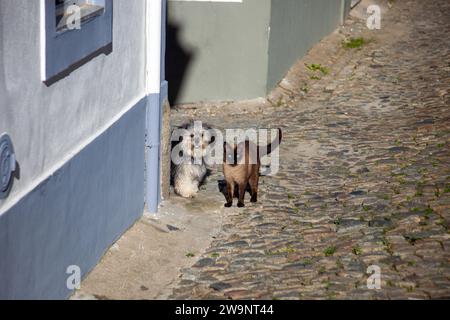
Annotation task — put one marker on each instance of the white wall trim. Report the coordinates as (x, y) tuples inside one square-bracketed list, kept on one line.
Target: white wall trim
[(43, 40), (153, 20)]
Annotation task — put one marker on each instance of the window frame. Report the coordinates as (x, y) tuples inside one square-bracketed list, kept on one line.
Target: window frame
[(64, 51), (90, 8)]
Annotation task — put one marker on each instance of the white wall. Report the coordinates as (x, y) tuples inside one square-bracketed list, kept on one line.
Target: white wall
[(48, 125)]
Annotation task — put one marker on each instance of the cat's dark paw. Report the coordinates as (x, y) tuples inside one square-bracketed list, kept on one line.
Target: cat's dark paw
[(241, 205), (228, 204), (254, 199)]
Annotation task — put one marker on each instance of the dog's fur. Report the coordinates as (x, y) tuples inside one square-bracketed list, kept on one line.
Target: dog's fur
[(187, 176), (241, 166)]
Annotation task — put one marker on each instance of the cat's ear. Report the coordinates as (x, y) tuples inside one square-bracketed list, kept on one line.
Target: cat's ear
[(225, 152), (280, 135)]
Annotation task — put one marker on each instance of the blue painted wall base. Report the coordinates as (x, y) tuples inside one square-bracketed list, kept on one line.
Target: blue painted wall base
[(74, 216)]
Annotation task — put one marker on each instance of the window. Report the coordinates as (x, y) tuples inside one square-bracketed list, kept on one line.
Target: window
[(72, 33), (83, 10)]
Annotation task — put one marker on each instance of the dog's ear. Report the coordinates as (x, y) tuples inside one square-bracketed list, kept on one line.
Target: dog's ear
[(187, 125), (217, 135), (206, 126)]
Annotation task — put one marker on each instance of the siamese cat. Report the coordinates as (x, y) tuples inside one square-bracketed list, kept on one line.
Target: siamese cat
[(241, 164)]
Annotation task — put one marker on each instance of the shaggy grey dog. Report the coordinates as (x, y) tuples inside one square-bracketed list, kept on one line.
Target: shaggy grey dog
[(188, 157)]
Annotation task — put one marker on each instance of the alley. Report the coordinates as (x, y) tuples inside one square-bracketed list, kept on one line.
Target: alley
[(364, 178)]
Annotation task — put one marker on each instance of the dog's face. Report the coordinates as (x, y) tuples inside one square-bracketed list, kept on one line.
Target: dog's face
[(195, 139)]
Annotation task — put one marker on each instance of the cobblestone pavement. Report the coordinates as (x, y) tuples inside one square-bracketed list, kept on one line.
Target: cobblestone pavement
[(364, 178)]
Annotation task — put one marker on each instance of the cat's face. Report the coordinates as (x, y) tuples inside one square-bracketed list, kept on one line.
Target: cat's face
[(233, 154)]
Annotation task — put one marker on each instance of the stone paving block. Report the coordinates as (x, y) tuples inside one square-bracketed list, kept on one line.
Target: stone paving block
[(364, 177)]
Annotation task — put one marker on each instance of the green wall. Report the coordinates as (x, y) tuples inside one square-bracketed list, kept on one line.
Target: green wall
[(218, 51), (295, 27)]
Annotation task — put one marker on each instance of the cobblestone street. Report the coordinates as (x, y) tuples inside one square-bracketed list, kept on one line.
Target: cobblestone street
[(364, 177)]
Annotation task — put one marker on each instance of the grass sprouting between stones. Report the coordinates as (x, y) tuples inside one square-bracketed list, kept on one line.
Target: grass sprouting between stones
[(317, 67), (355, 43), (329, 251), (357, 251)]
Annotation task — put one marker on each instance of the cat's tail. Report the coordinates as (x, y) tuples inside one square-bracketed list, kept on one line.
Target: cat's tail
[(264, 151)]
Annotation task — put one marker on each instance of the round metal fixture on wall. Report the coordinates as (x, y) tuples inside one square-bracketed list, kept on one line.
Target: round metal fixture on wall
[(7, 165)]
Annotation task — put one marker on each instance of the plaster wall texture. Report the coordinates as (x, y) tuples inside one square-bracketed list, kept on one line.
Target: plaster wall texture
[(49, 125), (294, 28), (220, 51), (224, 49), (80, 147), (73, 217)]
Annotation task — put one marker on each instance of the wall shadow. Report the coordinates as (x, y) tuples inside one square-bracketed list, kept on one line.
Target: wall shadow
[(177, 62)]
